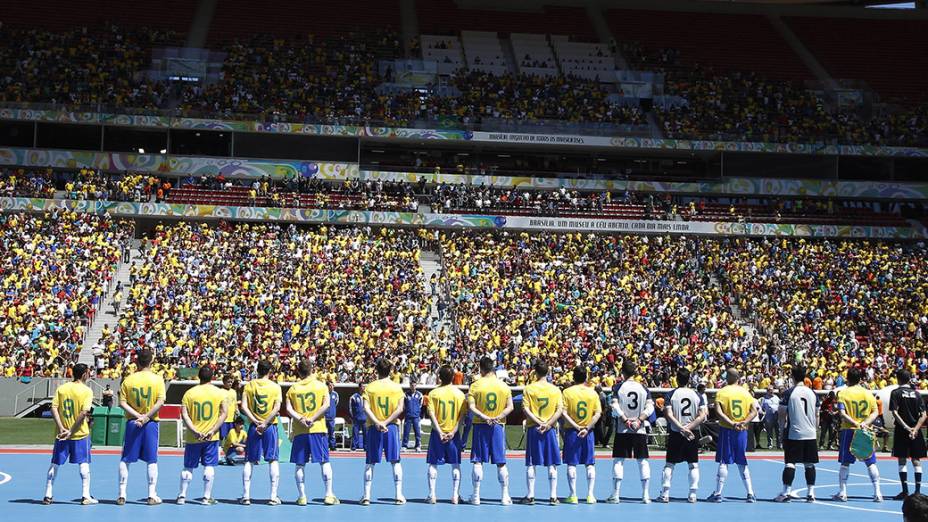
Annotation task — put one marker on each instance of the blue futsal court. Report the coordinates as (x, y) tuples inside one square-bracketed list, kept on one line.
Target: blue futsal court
[(22, 482)]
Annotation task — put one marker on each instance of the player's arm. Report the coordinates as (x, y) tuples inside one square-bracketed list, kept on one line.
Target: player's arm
[(752, 412), (873, 411), (722, 415), (223, 411), (842, 414), (320, 412), (156, 407), (668, 413), (189, 423), (782, 415), (700, 418), (370, 413), (294, 415), (62, 431), (124, 404), (559, 410), (472, 405), (435, 425), (648, 408), (351, 408), (571, 422), (82, 416), (893, 408), (400, 407), (527, 409), (506, 411)]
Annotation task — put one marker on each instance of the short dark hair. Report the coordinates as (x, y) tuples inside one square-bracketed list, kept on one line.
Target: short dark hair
[(144, 358), (915, 508), (238, 420), (205, 374), (579, 375), (445, 374), (540, 368), (853, 376), (228, 378), (486, 365), (264, 368), (798, 373), (384, 367), (629, 369), (303, 369), (683, 377), (903, 376), (78, 371)]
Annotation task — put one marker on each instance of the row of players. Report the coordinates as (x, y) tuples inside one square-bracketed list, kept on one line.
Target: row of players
[(205, 410)]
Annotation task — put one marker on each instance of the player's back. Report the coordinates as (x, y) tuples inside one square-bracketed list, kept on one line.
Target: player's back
[(203, 403), (384, 396), (446, 403), (801, 413), (581, 403), (858, 403), (490, 396), (685, 404), (261, 394), (70, 399), (142, 390), (307, 398), (736, 402), (542, 399), (632, 398)]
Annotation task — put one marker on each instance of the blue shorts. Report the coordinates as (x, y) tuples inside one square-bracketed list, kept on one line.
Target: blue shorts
[(541, 449), (488, 444), (73, 451), (205, 453), (310, 447), (224, 429), (732, 447), (444, 452), (265, 445), (844, 450), (141, 443), (579, 450), (382, 444)]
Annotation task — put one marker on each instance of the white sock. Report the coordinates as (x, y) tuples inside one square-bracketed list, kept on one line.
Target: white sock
[(720, 478), (300, 477), (123, 478), (666, 477), (246, 480), (274, 472), (552, 481), (618, 471), (477, 475), (186, 475), (398, 479), (152, 479), (368, 478), (85, 479), (50, 479), (530, 480), (327, 478), (590, 480), (746, 478), (843, 473), (433, 478), (209, 472), (875, 479), (644, 468), (694, 478), (572, 480), (455, 481), (502, 474)]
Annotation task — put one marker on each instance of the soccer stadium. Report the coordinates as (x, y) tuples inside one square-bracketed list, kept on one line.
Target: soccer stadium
[(471, 258)]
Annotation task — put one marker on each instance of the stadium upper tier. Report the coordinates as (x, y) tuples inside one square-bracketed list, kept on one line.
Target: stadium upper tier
[(493, 70)]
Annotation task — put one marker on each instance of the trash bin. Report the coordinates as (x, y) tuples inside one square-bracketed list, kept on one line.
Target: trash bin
[(98, 428), (115, 426)]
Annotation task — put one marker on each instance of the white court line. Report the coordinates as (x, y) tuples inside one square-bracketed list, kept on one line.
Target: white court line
[(4, 478), (842, 505), (819, 467)]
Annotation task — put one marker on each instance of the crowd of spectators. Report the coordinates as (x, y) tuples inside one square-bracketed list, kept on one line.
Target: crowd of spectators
[(27, 182), (81, 184), (55, 270)]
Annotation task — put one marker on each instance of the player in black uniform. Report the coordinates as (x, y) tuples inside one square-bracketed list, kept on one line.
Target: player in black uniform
[(908, 410)]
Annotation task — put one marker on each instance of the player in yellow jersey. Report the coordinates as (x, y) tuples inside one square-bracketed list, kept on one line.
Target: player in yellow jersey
[(735, 407), (141, 396), (446, 410), (490, 400), (203, 410), (383, 404), (582, 410), (542, 405), (857, 409), (70, 408), (233, 444), (261, 401), (307, 404), (229, 387)]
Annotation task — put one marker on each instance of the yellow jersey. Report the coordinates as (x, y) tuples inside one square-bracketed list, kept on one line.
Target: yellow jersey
[(736, 402), (141, 391), (542, 399), (447, 404), (490, 396), (70, 400), (581, 404), (306, 398), (203, 404), (260, 395), (231, 404), (857, 402), (383, 397), (234, 437)]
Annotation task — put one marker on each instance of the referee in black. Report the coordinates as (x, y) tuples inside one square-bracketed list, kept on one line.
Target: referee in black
[(908, 410)]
